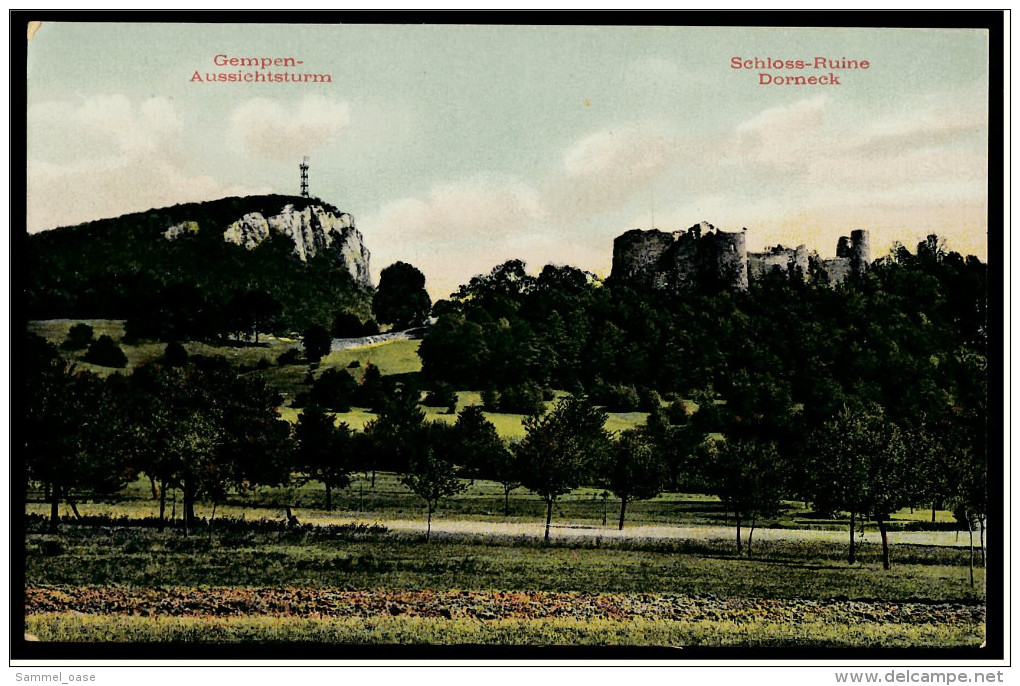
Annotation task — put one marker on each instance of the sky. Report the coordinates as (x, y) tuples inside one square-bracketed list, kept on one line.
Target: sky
[(456, 148)]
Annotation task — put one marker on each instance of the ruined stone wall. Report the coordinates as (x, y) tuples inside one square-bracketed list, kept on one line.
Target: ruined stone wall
[(704, 255), (637, 255), (786, 259), (672, 261)]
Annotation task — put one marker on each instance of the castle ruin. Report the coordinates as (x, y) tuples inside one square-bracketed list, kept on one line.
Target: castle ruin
[(704, 255)]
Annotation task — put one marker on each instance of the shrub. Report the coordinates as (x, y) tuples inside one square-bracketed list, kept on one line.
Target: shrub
[(79, 337), (347, 325), (442, 395), (615, 397), (524, 398), (334, 390), (105, 353), (490, 400), (648, 399), (175, 355), (289, 356)]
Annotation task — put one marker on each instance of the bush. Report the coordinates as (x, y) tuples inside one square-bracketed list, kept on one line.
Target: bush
[(79, 337), (334, 390), (347, 325), (175, 355), (442, 395), (105, 353), (524, 398), (289, 356), (490, 400), (648, 399), (615, 397)]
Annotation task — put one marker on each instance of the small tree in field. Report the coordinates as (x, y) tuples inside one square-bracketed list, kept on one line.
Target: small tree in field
[(560, 448), (478, 447), (748, 477), (633, 471), (76, 434), (79, 337), (317, 342), (324, 450), (862, 468), (430, 474), (106, 353)]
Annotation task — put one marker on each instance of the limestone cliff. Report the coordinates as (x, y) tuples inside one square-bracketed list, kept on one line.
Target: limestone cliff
[(314, 229)]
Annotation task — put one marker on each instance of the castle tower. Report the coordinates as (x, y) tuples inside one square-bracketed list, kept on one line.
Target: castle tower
[(726, 258), (860, 251)]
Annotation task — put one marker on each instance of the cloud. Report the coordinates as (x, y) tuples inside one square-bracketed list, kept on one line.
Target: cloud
[(606, 168), (781, 136), (457, 229), (278, 131), (107, 156)]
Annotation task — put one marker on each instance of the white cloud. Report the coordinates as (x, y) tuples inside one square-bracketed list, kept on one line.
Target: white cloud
[(457, 230), (107, 156), (275, 130), (781, 136), (605, 169)]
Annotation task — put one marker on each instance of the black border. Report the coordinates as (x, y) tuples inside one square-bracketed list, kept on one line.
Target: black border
[(80, 654)]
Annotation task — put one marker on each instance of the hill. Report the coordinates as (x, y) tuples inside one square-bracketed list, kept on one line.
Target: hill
[(192, 264)]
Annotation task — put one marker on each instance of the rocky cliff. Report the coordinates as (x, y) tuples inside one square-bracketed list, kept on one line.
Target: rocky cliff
[(314, 229)]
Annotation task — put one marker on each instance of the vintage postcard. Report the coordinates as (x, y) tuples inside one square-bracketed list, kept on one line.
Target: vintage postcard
[(353, 340)]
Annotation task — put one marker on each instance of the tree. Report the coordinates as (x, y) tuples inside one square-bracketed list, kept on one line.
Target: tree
[(254, 312), (317, 342), (559, 449), (401, 298), (748, 476), (208, 430), (324, 450), (430, 474), (374, 389), (862, 467), (79, 337), (106, 353), (175, 354), (398, 431), (349, 325), (479, 449), (634, 470), (334, 390), (75, 434)]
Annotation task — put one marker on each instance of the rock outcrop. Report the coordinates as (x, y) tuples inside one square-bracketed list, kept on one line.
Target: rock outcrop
[(314, 229)]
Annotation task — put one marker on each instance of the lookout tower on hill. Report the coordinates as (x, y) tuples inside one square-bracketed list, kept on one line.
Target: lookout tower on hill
[(304, 177)]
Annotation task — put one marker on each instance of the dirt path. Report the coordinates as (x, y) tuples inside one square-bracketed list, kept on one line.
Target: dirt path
[(586, 532), (349, 343)]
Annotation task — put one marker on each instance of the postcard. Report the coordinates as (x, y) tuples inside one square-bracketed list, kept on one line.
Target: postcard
[(349, 339)]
